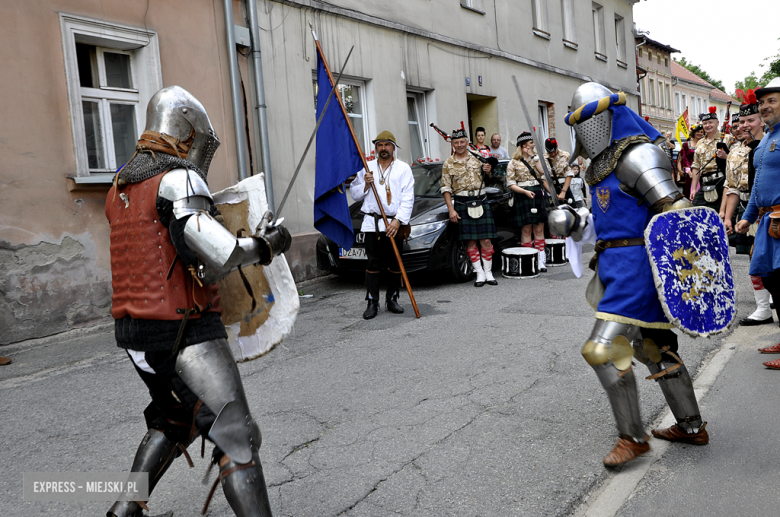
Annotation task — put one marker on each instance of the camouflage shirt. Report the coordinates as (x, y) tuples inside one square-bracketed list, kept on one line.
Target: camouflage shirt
[(560, 165), (458, 177), (517, 172), (705, 150), (737, 169)]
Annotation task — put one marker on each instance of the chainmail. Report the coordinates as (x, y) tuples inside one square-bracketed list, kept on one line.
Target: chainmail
[(603, 164), (146, 164)]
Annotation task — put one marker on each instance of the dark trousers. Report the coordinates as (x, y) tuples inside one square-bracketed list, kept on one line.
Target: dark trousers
[(772, 284), (380, 256)]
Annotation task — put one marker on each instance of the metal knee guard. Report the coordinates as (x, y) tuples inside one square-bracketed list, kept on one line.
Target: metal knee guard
[(609, 352), (675, 384), (154, 455), (210, 371), (244, 487)]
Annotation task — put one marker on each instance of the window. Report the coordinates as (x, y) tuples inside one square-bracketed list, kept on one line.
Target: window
[(569, 25), (642, 90), (677, 108), (661, 94), (640, 52), (668, 96), (415, 105), (666, 62), (352, 93), (684, 104), (539, 14), (651, 92), (543, 121), (598, 31), (658, 58), (112, 71), (475, 5), (620, 38)]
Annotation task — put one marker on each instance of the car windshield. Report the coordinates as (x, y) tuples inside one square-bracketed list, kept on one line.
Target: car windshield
[(427, 180)]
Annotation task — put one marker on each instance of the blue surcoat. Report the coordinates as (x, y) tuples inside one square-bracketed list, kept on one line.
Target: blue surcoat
[(630, 294)]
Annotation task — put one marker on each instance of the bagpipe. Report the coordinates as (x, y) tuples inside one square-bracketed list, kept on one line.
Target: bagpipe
[(472, 149), (725, 128)]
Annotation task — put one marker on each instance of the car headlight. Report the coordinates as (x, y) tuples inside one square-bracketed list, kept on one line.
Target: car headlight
[(419, 230)]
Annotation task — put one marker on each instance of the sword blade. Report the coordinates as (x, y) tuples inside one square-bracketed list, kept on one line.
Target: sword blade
[(311, 139), (538, 143)]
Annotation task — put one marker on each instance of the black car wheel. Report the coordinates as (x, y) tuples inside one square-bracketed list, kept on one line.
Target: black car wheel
[(460, 265)]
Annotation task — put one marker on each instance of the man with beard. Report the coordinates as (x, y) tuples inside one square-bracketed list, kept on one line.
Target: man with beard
[(765, 201), (739, 182), (709, 167), (395, 185)]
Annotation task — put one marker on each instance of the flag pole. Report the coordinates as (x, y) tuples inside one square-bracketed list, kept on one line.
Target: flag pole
[(365, 165)]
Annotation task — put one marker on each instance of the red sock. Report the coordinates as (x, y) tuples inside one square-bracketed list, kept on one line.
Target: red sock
[(539, 244), (487, 253), (758, 284), (529, 244), (473, 254)]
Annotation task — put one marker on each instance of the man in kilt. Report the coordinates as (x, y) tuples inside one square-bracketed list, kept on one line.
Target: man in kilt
[(709, 163), (463, 187), (524, 177)]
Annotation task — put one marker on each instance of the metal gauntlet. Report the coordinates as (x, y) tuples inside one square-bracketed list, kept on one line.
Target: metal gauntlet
[(568, 221)]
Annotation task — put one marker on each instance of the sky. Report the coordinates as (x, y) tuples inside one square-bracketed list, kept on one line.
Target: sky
[(713, 33)]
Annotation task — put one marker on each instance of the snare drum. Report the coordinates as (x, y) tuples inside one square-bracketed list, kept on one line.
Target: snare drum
[(555, 249), (519, 263)]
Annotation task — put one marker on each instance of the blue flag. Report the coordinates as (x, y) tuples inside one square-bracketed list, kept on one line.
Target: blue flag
[(337, 159)]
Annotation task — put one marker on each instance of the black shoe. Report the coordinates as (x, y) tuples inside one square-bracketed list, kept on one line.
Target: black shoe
[(543, 270), (747, 322), (371, 310), (479, 284), (392, 306)]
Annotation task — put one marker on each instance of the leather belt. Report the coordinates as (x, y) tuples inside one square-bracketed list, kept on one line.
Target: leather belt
[(470, 193), (712, 178), (602, 246), (531, 183), (775, 209)]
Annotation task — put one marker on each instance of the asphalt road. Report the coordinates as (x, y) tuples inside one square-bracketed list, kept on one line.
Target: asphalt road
[(483, 406)]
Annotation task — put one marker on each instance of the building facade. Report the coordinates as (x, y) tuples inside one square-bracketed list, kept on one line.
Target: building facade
[(656, 85), (697, 95), (75, 105)]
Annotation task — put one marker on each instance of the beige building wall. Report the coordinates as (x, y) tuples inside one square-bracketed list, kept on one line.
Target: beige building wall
[(657, 87)]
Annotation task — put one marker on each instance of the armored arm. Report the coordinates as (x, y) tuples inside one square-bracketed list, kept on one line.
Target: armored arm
[(644, 169), (217, 250)]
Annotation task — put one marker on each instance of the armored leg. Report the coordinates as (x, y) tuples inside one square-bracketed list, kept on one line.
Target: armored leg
[(209, 370), (154, 455), (672, 376), (609, 352)]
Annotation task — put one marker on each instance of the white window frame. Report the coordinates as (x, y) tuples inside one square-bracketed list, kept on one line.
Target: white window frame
[(569, 24), (422, 122), (677, 108), (539, 17), (620, 38), (474, 5), (598, 31), (651, 92), (544, 120), (668, 96), (143, 48), (364, 104)]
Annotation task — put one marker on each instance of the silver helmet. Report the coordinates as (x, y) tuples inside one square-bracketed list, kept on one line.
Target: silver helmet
[(176, 112), (593, 135)]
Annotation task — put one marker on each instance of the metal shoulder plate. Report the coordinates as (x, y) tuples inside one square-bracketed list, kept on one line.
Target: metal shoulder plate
[(646, 169), (188, 191)]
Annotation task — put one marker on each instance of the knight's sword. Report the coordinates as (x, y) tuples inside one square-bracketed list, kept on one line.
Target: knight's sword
[(311, 138), (538, 143)]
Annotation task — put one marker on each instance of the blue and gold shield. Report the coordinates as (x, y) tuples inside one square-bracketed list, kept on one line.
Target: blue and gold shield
[(689, 254)]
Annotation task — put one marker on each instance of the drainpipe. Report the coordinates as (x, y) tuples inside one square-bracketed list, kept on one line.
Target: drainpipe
[(260, 114), (638, 79), (235, 94)]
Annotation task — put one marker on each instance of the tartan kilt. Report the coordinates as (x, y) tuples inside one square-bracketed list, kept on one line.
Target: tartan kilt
[(521, 214), (475, 229), (698, 199)]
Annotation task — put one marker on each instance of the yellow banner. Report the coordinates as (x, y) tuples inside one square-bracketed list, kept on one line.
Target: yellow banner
[(682, 127)]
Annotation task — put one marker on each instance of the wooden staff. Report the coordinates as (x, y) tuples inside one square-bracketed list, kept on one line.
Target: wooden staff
[(365, 165)]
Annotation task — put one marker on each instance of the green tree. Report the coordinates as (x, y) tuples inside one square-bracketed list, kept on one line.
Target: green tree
[(750, 82), (696, 69)]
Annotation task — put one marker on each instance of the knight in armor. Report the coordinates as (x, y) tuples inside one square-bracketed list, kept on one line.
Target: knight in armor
[(764, 204), (630, 181), (168, 248), (709, 163), (739, 182)]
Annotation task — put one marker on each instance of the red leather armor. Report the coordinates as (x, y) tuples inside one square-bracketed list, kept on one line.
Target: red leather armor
[(141, 256)]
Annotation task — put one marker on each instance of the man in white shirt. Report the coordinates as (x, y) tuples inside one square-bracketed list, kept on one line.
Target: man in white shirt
[(395, 185), (496, 150)]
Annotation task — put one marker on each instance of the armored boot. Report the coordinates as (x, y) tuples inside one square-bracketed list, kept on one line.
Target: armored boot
[(372, 295), (244, 488), (672, 376), (609, 353), (154, 455), (393, 288)]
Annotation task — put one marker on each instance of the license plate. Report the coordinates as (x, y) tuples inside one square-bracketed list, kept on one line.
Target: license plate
[(354, 253)]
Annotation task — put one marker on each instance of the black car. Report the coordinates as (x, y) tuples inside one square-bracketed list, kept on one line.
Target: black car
[(433, 245)]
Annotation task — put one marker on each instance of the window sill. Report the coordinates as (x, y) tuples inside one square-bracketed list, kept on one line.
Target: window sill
[(541, 33), (621, 64), (600, 56), (473, 10), (570, 44), (97, 181)]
